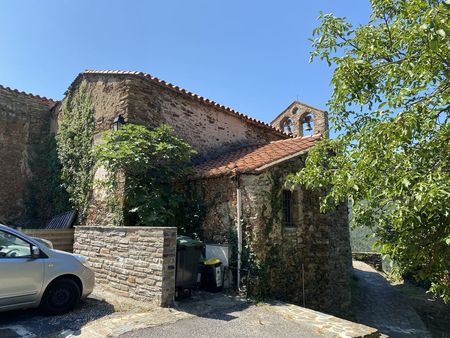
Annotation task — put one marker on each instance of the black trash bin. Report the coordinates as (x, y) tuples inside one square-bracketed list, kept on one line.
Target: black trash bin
[(189, 252), (212, 275)]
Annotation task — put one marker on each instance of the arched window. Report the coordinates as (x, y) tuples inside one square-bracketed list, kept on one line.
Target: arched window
[(287, 125), (295, 111), (307, 124)]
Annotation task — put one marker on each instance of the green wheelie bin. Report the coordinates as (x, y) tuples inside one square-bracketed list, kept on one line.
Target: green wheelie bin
[(189, 253)]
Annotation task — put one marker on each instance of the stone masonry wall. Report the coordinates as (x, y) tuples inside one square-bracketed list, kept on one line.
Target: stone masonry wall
[(108, 99), (135, 262), (219, 198), (295, 112), (321, 242), (374, 259), (24, 121), (207, 129), (108, 96)]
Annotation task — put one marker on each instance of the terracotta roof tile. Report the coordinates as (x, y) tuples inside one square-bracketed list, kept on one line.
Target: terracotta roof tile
[(189, 94), (43, 99), (251, 158)]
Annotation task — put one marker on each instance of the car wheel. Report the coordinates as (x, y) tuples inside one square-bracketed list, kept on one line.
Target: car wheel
[(60, 296)]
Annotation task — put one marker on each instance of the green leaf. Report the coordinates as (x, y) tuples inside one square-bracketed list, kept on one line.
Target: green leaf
[(392, 164), (406, 182)]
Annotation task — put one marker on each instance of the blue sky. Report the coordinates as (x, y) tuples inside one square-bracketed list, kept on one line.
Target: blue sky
[(249, 55)]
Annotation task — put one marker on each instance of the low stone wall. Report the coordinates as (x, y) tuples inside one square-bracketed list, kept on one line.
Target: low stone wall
[(327, 325), (374, 259), (135, 262)]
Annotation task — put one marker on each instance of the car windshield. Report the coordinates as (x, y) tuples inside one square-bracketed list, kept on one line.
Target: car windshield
[(12, 246), (47, 243)]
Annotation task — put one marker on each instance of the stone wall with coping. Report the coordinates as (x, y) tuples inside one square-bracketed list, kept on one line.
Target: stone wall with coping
[(135, 262), (374, 259)]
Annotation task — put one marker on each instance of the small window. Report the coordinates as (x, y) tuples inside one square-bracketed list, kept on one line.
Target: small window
[(288, 219), (12, 246)]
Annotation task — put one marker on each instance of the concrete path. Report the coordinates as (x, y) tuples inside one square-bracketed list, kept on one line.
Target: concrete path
[(378, 304), (203, 315), (249, 322), (219, 315)]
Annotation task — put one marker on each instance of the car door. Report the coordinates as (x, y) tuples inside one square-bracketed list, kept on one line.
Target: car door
[(21, 275)]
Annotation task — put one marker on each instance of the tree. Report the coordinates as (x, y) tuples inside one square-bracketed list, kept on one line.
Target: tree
[(153, 162), (390, 108)]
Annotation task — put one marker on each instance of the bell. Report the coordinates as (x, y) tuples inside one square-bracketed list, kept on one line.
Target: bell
[(308, 126), (307, 120)]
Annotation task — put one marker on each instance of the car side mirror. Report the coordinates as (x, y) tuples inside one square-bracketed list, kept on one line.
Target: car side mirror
[(35, 252)]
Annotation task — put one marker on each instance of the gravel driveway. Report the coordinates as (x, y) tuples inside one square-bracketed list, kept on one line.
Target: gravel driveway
[(30, 323)]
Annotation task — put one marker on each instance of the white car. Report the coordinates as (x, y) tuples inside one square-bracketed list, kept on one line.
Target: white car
[(34, 275)]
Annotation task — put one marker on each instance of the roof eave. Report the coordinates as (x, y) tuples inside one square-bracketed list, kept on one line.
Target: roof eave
[(187, 94), (254, 170), (281, 160), (44, 100)]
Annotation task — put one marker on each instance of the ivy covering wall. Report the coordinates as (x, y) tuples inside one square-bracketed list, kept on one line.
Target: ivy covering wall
[(260, 253), (45, 195), (155, 165), (74, 145)]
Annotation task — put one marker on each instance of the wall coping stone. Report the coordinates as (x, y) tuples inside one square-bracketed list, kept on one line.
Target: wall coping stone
[(374, 259), (98, 227)]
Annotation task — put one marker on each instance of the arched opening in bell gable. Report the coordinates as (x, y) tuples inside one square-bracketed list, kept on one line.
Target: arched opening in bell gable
[(307, 124), (287, 125)]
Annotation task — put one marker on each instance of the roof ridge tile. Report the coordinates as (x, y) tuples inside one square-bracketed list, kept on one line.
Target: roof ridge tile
[(185, 92), (42, 98)]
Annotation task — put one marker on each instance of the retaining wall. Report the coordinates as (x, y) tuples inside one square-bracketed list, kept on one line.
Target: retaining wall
[(374, 259), (135, 262)]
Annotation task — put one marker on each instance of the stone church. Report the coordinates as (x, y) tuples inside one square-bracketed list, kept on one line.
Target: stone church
[(240, 171)]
